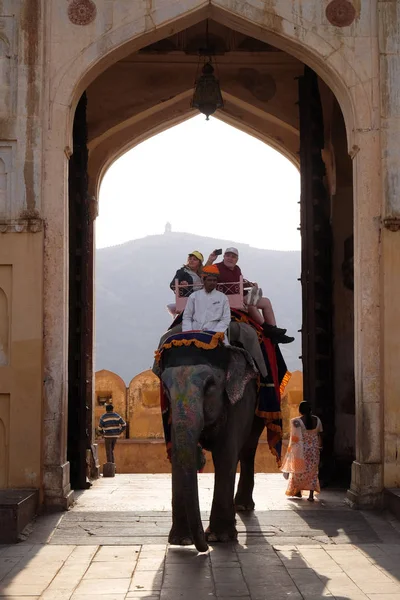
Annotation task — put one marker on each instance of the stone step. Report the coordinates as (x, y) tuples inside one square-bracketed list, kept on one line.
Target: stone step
[(17, 509), (392, 501)]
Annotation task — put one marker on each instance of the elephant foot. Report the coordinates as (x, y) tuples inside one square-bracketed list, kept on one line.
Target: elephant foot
[(243, 504), (223, 536), (176, 540), (180, 537), (201, 545), (244, 507)]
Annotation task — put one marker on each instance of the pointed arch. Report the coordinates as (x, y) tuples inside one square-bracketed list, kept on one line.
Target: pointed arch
[(285, 31)]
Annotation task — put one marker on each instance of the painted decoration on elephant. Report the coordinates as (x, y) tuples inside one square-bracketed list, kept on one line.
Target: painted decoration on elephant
[(187, 413)]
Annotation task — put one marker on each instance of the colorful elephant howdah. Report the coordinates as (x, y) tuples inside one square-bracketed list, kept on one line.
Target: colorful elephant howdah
[(214, 397)]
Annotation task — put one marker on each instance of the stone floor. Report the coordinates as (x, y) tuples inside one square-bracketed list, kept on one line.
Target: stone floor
[(112, 546)]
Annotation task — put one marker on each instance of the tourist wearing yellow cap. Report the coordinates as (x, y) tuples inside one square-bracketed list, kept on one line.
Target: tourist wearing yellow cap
[(189, 275)]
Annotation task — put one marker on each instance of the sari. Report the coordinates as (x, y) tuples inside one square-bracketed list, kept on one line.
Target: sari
[(302, 457)]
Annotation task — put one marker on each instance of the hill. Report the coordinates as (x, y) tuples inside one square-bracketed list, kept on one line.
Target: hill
[(132, 291)]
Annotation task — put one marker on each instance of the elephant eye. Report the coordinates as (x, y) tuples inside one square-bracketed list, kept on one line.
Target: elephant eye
[(210, 389)]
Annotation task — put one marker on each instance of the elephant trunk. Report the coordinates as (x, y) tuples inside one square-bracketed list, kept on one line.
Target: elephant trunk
[(187, 424)]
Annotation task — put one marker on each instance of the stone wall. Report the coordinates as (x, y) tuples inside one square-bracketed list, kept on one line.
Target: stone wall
[(149, 456), (20, 360)]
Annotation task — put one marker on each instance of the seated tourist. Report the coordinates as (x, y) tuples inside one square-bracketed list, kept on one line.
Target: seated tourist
[(207, 309), (189, 275), (230, 272)]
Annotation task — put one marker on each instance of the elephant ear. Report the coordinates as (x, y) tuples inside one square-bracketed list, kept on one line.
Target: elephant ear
[(241, 370)]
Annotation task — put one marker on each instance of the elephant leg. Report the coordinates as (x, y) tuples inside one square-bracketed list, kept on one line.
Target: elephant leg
[(222, 526), (180, 534), (244, 495), (226, 456), (187, 424)]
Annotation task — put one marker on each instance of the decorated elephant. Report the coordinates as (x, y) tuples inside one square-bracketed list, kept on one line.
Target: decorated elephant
[(211, 394)]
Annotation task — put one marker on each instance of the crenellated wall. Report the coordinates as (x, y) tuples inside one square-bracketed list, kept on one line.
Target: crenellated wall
[(143, 407)]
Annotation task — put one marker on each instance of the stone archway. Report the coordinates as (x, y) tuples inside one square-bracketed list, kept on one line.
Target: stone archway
[(287, 28)]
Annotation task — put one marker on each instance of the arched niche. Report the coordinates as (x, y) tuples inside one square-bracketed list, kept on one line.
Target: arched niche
[(144, 406), (109, 388)]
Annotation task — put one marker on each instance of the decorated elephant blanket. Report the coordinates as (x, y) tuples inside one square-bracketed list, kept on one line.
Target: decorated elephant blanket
[(205, 340)]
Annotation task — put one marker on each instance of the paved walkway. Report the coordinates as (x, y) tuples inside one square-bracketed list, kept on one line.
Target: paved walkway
[(112, 546)]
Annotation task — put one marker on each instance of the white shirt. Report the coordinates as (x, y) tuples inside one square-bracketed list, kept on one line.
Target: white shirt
[(207, 312)]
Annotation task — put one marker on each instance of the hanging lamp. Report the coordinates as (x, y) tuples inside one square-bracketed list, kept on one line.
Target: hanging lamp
[(207, 97)]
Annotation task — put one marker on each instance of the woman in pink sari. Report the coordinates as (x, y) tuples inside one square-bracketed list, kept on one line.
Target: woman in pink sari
[(302, 457)]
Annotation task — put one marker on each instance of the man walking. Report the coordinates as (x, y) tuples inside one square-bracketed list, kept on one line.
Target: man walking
[(111, 426)]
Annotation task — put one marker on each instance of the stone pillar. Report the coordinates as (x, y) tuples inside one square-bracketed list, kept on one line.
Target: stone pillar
[(389, 55), (57, 489), (366, 484), (389, 47)]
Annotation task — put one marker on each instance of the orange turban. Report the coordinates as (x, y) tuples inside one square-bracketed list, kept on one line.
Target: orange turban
[(211, 270)]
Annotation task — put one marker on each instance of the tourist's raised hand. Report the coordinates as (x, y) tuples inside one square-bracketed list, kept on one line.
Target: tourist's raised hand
[(211, 258)]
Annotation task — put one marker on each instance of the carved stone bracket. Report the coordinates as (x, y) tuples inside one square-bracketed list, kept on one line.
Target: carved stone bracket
[(392, 223), (21, 226)]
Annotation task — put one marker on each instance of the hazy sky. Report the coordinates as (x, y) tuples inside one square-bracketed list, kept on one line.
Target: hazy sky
[(206, 178)]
